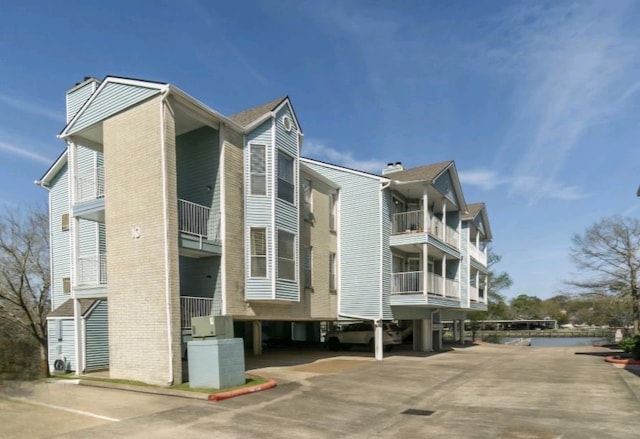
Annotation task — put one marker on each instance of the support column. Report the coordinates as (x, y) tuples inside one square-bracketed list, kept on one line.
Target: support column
[(444, 222), (77, 329), (461, 323), (378, 337), (422, 336), (444, 275), (257, 337), (455, 330)]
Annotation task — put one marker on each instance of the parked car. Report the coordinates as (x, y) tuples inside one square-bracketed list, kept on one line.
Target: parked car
[(362, 334)]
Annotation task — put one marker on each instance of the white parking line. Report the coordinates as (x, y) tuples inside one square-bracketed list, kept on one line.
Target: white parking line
[(65, 409)]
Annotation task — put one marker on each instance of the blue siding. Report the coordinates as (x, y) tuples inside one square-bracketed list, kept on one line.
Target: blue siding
[(97, 338), (111, 99), (360, 241), (387, 203), (259, 213), (60, 240), (61, 343), (77, 98), (286, 140)]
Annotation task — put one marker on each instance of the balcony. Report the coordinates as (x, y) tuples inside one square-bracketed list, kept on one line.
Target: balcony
[(91, 270), (412, 222), (443, 233), (89, 197), (477, 254), (199, 229), (193, 307), (90, 185), (412, 282)]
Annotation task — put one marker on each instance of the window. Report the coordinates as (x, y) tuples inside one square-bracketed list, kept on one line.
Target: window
[(66, 285), (258, 170), (258, 252), (285, 177), (286, 255), (332, 272), (65, 222), (333, 210), (308, 199), (308, 263)]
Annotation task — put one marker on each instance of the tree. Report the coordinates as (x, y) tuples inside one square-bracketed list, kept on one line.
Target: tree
[(609, 254), (24, 276), (526, 307)]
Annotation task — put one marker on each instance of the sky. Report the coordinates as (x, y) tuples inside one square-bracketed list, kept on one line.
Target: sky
[(536, 102)]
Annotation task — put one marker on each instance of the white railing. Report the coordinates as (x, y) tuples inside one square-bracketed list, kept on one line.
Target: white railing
[(198, 220), (443, 232), (451, 288), (434, 284), (407, 222), (473, 293), (91, 270), (411, 282), (193, 307), (477, 254), (90, 184)]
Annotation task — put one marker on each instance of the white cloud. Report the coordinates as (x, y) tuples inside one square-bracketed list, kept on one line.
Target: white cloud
[(30, 107), (521, 184), (21, 152), (316, 149)]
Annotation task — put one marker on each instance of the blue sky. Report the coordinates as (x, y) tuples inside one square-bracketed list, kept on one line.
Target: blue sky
[(537, 103)]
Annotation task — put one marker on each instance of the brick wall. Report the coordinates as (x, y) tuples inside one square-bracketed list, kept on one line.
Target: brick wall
[(139, 339)]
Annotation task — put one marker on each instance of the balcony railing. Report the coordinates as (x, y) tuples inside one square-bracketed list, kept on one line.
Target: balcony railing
[(407, 222), (193, 307), (411, 282), (473, 293), (91, 270), (443, 232), (477, 254), (198, 220), (90, 184)]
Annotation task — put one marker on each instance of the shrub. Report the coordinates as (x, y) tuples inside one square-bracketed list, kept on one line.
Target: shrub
[(631, 345)]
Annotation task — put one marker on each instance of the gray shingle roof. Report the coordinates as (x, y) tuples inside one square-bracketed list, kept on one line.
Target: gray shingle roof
[(245, 117), (66, 309), (426, 172), (472, 210)]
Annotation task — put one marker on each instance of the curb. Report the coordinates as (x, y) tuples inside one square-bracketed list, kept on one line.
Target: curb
[(270, 384), (142, 389), (621, 360)]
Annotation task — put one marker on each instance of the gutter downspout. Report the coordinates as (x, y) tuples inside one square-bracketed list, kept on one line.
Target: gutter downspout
[(165, 205)]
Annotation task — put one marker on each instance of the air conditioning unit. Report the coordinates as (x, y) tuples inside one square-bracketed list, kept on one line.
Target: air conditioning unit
[(212, 326)]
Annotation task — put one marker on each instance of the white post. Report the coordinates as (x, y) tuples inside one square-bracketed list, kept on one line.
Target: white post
[(425, 268), (425, 209), (444, 275), (378, 340), (77, 329), (444, 222)]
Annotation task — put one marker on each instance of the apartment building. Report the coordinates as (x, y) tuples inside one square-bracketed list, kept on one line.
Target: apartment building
[(162, 209)]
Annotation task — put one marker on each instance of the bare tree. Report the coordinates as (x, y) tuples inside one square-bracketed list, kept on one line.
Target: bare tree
[(24, 276), (609, 254)]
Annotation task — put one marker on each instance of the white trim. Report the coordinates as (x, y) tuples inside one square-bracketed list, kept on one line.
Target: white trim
[(287, 123), (305, 169), (56, 167), (83, 325), (165, 220), (347, 170), (223, 221), (274, 178), (381, 264)]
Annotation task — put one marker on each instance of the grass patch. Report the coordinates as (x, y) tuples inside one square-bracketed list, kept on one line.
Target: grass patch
[(250, 380)]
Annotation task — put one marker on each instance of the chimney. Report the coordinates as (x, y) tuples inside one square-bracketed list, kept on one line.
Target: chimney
[(392, 168), (79, 94)]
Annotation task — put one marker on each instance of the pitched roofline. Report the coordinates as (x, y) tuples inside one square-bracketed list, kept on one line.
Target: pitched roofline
[(304, 168), (108, 80), (53, 170), (287, 101), (344, 169), (268, 115), (456, 182)]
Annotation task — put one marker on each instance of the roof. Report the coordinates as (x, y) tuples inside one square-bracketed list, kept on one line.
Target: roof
[(66, 309), (244, 118), (426, 172), (472, 210)]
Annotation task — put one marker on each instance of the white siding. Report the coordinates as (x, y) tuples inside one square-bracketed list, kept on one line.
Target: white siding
[(97, 338), (60, 240)]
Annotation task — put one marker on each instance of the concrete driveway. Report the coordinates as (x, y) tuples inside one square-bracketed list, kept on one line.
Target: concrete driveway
[(483, 391)]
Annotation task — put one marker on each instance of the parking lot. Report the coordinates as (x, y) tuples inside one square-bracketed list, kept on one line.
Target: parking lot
[(485, 391)]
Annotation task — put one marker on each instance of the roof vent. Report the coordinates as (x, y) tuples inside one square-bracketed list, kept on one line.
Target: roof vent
[(393, 168)]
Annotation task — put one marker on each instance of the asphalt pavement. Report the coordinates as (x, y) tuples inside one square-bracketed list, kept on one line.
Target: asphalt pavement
[(485, 391)]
